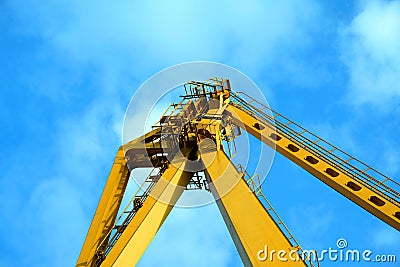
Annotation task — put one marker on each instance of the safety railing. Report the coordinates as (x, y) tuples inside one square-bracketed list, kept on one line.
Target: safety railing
[(254, 184), (354, 168), (130, 211)]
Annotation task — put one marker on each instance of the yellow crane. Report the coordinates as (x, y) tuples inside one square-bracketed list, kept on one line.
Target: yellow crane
[(187, 148)]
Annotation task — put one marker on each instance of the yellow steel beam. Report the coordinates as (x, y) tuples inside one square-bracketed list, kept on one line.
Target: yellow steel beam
[(149, 218), (250, 225), (144, 138), (139, 151), (338, 180), (107, 209), (145, 143)]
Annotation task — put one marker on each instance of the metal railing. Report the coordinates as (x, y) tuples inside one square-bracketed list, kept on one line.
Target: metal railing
[(130, 211), (254, 184), (354, 168)]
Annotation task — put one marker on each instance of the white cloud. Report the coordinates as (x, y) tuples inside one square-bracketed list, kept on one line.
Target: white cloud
[(156, 34), (53, 215), (371, 52)]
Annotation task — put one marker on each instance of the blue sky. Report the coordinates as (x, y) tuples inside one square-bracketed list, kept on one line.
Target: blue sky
[(69, 68)]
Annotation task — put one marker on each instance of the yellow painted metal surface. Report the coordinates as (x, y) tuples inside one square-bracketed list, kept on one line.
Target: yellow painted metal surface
[(251, 227), (149, 218), (107, 209), (359, 194), (257, 234)]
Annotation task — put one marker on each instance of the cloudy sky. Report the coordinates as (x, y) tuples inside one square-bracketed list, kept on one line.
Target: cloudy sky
[(69, 68)]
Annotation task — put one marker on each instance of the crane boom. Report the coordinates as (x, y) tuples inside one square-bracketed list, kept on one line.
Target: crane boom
[(318, 158)]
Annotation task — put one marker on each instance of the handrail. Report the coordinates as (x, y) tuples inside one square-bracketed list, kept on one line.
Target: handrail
[(256, 189), (321, 148), (131, 213)]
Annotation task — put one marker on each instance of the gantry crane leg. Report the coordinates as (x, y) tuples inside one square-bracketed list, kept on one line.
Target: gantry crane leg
[(250, 225), (107, 209), (149, 218)]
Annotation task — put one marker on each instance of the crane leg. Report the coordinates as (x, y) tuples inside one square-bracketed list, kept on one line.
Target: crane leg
[(149, 218), (251, 227), (107, 209)]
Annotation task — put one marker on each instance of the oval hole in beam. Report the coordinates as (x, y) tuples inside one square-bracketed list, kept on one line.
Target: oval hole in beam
[(332, 172), (258, 126), (312, 160), (377, 201), (293, 148), (353, 186), (275, 137)]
